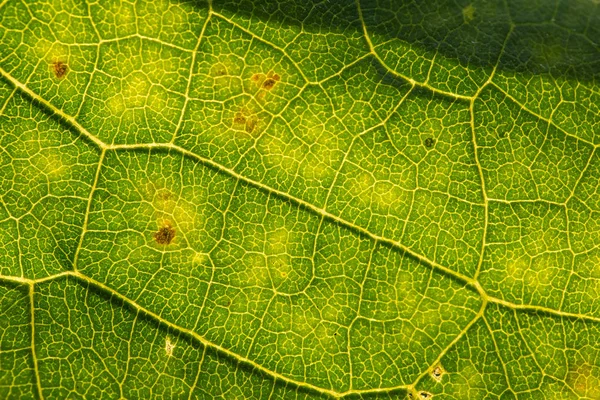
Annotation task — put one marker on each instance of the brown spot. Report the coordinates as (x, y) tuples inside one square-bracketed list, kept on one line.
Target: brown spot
[(429, 142), (276, 77), (256, 77), (239, 118), (245, 118), (425, 395), (165, 235), (60, 69), (269, 83)]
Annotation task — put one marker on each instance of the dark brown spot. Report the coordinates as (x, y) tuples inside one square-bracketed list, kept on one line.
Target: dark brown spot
[(429, 142), (60, 69), (269, 83), (165, 235), (239, 118), (276, 77), (425, 395), (256, 77)]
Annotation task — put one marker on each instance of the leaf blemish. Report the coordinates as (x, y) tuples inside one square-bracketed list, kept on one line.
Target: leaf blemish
[(249, 122), (429, 142), (438, 372), (267, 81), (468, 13), (169, 346), (165, 234), (270, 82), (425, 395), (60, 69)]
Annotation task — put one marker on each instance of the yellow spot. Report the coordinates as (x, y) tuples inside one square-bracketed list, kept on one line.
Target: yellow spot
[(585, 381), (50, 162), (169, 347), (381, 196), (226, 75), (200, 259), (135, 89), (468, 13), (252, 272), (516, 268), (278, 259), (116, 104), (362, 185)]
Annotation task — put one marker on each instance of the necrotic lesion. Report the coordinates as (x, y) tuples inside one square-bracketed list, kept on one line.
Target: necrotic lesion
[(165, 235)]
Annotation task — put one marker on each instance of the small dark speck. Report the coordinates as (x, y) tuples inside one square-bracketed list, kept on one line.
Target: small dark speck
[(429, 142)]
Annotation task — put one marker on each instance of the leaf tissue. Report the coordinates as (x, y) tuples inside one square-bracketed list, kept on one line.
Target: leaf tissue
[(300, 199)]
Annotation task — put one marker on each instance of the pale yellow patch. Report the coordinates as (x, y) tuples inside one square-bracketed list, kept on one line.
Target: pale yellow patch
[(135, 90), (593, 264), (278, 260), (51, 51), (585, 381), (327, 336), (516, 268), (169, 347), (362, 185), (116, 104), (256, 272), (542, 272), (468, 13), (277, 241), (280, 268), (309, 158), (200, 259), (304, 325), (227, 74), (408, 296), (51, 163), (126, 16), (381, 195)]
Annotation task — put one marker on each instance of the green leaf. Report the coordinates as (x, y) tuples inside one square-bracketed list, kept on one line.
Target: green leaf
[(300, 199)]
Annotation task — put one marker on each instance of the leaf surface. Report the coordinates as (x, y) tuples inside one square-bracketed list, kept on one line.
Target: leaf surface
[(290, 199)]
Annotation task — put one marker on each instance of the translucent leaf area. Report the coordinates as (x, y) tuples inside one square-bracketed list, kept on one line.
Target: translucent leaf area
[(298, 199)]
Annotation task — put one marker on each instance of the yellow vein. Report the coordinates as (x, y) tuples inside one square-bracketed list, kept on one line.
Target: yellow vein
[(549, 121), (66, 117), (396, 73), (198, 337), (88, 208), (542, 309), (189, 80), (319, 211), (36, 369), (260, 39)]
